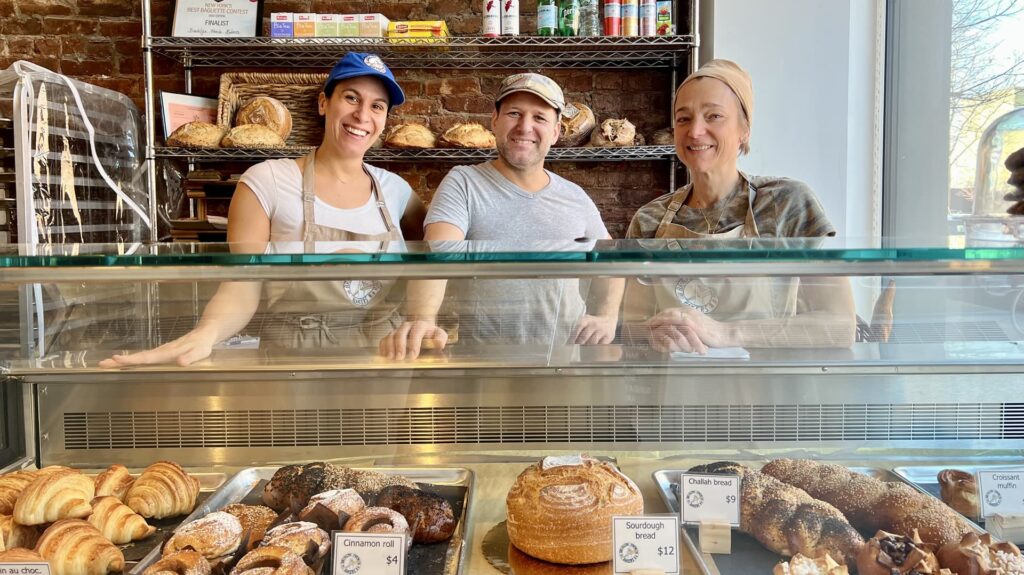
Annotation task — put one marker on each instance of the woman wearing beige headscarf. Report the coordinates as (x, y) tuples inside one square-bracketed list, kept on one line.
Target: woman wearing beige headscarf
[(713, 114)]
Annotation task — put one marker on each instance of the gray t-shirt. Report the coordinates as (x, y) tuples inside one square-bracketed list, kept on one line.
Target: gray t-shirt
[(487, 206), (783, 208)]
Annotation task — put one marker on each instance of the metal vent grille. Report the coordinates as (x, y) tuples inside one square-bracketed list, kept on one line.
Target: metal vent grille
[(939, 332), (550, 424)]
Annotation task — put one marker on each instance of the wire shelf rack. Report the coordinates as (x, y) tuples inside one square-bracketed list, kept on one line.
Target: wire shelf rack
[(434, 154)]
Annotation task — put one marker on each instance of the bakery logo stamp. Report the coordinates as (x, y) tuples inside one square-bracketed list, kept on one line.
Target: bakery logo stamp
[(628, 553), (695, 499), (351, 564), (993, 498), (362, 292), (694, 293), (376, 63)]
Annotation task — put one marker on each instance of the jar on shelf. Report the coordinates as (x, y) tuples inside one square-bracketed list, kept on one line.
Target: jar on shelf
[(590, 18), (1002, 138)]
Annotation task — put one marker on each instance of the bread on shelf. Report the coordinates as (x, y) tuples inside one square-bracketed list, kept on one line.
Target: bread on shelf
[(202, 135), (268, 112), (470, 135), (411, 136)]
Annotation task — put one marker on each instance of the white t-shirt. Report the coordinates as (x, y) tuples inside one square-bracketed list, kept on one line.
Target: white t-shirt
[(278, 187)]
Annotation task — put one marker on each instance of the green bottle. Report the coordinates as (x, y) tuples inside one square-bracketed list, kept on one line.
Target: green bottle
[(569, 18), (547, 17)]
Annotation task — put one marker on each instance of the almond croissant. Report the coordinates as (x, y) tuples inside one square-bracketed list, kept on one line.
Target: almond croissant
[(53, 496), (74, 547), (163, 490), (11, 485), (15, 535), (117, 522), (114, 481)]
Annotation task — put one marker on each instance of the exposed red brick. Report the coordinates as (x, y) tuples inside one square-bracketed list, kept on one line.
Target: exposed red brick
[(471, 104), (419, 106), (46, 7), (69, 26), (460, 86), (105, 7), (27, 25)]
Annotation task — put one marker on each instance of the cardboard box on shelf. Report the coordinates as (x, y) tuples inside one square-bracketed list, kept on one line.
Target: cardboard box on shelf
[(348, 25), (304, 26), (418, 30), (373, 25), (281, 25), (326, 25)]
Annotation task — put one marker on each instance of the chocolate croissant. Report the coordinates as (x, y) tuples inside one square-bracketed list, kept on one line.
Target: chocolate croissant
[(11, 485), (117, 522), (185, 562), (74, 547), (16, 535), (114, 481), (163, 490), (54, 496)]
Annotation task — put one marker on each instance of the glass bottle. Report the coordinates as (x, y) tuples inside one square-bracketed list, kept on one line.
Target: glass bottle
[(547, 17), (569, 18), (1002, 138), (590, 18)]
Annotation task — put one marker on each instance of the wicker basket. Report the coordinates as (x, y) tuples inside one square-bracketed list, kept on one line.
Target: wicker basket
[(298, 92)]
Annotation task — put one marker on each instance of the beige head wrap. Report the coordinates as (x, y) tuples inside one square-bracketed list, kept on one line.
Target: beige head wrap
[(731, 75)]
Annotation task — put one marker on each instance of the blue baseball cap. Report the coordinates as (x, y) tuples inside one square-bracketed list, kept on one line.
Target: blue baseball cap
[(355, 64)]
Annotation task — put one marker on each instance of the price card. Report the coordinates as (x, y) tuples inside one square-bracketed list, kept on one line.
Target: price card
[(24, 568), (1001, 493), (710, 498), (645, 542), (368, 553)]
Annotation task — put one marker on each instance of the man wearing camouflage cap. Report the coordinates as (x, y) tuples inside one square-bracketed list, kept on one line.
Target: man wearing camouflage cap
[(513, 199)]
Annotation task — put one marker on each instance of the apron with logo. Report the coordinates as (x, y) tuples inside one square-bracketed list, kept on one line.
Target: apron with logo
[(346, 313), (722, 298)]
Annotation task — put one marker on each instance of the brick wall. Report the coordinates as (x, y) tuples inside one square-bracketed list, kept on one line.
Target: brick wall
[(98, 41)]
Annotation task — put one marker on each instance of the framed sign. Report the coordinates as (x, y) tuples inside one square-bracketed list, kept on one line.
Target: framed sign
[(217, 18), (178, 109)]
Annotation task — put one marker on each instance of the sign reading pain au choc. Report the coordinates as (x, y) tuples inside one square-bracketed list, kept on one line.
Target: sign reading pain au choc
[(217, 18)]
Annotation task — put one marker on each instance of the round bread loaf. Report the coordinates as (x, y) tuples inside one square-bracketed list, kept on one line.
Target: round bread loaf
[(252, 136), (266, 111), (614, 133), (411, 137), (560, 509), (577, 121), (472, 135), (196, 135), (663, 137)]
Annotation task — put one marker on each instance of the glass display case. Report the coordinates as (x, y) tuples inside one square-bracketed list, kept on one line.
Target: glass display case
[(878, 354)]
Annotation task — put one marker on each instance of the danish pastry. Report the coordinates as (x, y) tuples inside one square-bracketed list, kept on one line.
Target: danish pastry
[(215, 535)]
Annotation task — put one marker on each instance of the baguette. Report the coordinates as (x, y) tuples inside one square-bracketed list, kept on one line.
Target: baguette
[(871, 504), (787, 520)]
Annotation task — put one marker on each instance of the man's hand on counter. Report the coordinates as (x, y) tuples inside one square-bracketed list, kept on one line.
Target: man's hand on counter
[(408, 339), (186, 350), (686, 329), (595, 330)]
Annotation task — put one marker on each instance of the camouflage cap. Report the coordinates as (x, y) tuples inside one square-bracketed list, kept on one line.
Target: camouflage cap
[(541, 86)]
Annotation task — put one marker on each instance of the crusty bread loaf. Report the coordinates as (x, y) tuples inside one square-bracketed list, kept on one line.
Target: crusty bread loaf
[(663, 137), (73, 547), (871, 504), (577, 121), (252, 136), (786, 520), (163, 490), (471, 135), (560, 509), (266, 111), (614, 132), (53, 496), (117, 522), (411, 137), (196, 135), (115, 481)]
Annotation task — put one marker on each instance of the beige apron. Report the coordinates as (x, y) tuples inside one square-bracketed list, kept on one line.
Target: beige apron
[(346, 313), (722, 298)]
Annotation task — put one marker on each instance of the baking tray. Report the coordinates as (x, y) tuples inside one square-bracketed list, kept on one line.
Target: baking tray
[(925, 477), (454, 484), (137, 552), (748, 556)]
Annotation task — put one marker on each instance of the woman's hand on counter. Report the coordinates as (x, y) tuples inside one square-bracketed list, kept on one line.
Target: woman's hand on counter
[(688, 330), (595, 330), (186, 350), (407, 340)]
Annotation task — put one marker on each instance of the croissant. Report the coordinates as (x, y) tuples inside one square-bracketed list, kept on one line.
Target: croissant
[(871, 504), (180, 563), (117, 522), (271, 560), (11, 485), (163, 490), (788, 521), (74, 547), (15, 535), (114, 481), (20, 555), (53, 496), (215, 535)]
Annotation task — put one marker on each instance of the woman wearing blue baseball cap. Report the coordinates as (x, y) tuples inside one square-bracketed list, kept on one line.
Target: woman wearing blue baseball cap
[(330, 195)]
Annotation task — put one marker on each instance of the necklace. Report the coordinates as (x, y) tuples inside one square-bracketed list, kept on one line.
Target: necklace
[(721, 212)]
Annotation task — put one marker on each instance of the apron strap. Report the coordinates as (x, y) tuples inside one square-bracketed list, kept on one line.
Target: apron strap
[(308, 199), (678, 199), (385, 215), (749, 225)]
